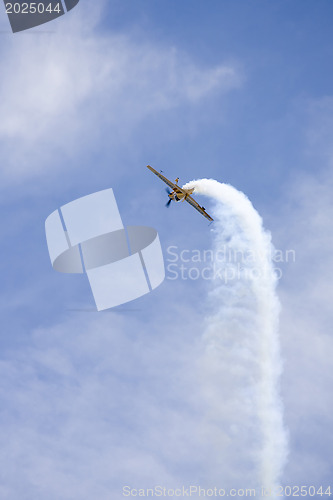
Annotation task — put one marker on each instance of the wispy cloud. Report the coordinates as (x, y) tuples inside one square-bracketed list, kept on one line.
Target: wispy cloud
[(90, 407), (61, 92), (304, 224)]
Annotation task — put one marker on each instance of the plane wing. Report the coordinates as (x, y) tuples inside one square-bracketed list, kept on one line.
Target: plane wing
[(196, 205), (164, 179)]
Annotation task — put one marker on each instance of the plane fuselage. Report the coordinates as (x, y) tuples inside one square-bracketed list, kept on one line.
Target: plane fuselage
[(180, 194)]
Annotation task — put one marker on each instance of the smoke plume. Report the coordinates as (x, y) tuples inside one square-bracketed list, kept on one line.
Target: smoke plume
[(242, 364)]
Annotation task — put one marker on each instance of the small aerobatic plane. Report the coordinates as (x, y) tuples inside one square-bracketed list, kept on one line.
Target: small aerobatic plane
[(180, 194)]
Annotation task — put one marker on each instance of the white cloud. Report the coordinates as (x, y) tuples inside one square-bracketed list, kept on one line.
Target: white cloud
[(90, 407), (62, 91), (305, 224)]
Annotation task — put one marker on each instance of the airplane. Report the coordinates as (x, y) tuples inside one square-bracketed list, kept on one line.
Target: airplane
[(180, 194)]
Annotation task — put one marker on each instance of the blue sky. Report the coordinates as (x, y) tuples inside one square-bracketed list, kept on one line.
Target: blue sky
[(236, 91)]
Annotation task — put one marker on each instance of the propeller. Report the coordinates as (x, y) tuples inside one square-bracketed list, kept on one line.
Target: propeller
[(170, 199)]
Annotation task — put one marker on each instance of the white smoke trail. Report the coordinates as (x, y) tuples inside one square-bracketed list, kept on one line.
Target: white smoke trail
[(241, 339)]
